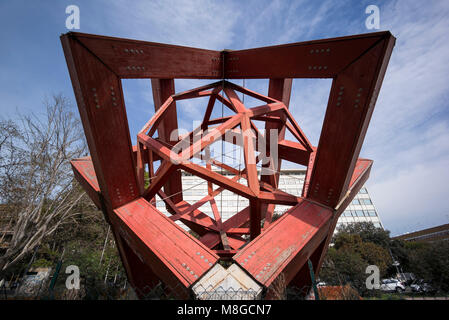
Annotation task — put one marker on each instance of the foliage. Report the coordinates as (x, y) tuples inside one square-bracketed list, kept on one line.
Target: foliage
[(42, 263), (36, 182), (367, 232), (387, 296), (88, 243), (342, 266), (90, 246), (430, 261), (51, 218), (358, 245), (354, 248), (48, 212)]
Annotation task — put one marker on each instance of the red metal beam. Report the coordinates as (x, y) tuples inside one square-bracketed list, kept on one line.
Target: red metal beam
[(158, 242), (351, 103), (218, 179), (359, 177), (197, 221), (156, 120), (100, 102), (279, 89), (268, 99), (255, 218), (293, 152), (211, 136), (163, 173), (209, 108), (278, 197), (250, 156), (311, 59), (285, 246), (237, 220), (217, 216), (162, 90), (199, 91), (140, 59), (357, 65), (85, 174)]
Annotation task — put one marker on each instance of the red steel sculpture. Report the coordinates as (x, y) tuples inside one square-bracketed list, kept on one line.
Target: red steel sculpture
[(152, 246)]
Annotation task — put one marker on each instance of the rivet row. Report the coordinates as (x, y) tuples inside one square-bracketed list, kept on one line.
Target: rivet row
[(317, 67), (135, 68), (135, 51), (320, 51)]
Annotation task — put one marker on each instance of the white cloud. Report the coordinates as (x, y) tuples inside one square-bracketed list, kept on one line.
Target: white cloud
[(415, 86), (409, 133), (194, 23), (283, 21), (414, 198)]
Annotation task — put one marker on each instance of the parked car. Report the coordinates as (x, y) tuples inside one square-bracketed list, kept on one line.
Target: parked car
[(391, 285), (422, 287), (407, 278)]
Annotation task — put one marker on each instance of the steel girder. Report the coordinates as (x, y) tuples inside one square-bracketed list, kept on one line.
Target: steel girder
[(152, 247)]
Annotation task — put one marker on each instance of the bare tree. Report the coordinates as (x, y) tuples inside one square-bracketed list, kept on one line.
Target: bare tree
[(36, 181)]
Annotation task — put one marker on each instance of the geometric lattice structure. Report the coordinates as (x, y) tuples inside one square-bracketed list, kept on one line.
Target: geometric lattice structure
[(152, 246), (241, 131)]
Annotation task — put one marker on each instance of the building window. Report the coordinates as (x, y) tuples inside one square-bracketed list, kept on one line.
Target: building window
[(372, 213), (359, 213), (363, 191), (355, 201), (366, 201)]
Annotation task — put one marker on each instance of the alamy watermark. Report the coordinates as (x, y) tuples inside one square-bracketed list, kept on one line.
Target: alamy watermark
[(373, 20), (72, 22), (73, 280), (372, 281)]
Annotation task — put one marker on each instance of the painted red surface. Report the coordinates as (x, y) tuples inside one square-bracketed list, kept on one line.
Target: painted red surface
[(162, 244), (286, 245), (152, 246)]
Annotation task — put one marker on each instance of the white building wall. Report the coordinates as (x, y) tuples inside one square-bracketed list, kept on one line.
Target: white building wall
[(291, 181)]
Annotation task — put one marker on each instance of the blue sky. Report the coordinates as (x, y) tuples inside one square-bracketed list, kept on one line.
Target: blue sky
[(408, 138)]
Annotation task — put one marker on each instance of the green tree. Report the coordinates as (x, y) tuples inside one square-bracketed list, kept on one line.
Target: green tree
[(368, 232), (354, 248), (430, 261)]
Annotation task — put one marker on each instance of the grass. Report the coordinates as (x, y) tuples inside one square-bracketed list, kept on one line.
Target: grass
[(387, 296)]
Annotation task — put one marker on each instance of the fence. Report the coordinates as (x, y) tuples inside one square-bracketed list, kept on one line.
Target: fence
[(122, 291)]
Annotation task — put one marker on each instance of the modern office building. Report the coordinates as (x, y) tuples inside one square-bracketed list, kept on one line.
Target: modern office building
[(361, 209)]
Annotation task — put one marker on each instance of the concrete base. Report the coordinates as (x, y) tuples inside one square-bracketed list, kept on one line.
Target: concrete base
[(227, 284)]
